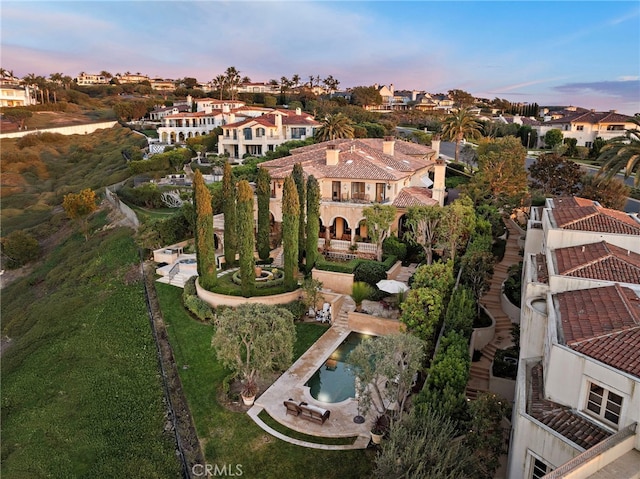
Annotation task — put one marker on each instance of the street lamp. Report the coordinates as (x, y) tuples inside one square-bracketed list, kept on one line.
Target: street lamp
[(528, 137)]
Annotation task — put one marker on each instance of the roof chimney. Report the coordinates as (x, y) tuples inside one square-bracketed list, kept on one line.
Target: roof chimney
[(388, 145), (298, 111), (613, 111), (333, 154)]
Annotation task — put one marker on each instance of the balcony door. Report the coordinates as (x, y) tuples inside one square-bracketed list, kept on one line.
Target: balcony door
[(380, 192), (335, 190)]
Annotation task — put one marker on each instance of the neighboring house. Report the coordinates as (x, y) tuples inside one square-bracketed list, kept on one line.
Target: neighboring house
[(256, 87), (159, 113), (15, 95), (577, 401), (586, 125), (132, 78), (209, 105), (257, 135), (429, 102), (162, 85), (354, 174), (90, 79)]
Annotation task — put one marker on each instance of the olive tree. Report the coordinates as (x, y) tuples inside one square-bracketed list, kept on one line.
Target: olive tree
[(254, 340), (384, 368), (379, 218)]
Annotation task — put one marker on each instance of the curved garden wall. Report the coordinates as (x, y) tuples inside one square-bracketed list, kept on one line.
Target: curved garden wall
[(215, 299)]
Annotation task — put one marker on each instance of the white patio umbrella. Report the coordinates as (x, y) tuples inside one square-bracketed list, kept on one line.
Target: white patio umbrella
[(392, 286)]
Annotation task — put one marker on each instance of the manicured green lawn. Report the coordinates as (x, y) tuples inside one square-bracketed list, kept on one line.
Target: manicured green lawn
[(81, 393), (231, 437)]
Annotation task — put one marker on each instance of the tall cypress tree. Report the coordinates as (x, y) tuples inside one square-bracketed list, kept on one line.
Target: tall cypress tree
[(205, 248), (245, 237), (263, 190), (298, 178), (313, 221), (229, 210), (290, 225)]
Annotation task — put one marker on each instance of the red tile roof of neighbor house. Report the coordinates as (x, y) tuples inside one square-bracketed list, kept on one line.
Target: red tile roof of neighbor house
[(592, 117), (600, 261), (356, 160), (561, 419), (603, 323), (414, 196), (400, 146), (585, 215)]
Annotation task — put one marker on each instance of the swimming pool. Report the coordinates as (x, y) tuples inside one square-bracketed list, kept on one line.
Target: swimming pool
[(333, 381)]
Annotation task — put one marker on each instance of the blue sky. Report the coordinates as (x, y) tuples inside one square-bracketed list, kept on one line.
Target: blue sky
[(550, 52)]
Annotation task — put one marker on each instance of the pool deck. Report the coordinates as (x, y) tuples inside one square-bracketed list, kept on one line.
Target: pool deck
[(291, 385)]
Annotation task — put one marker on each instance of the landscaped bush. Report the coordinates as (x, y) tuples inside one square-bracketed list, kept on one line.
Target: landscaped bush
[(513, 284), (278, 279), (199, 308), (461, 312), (393, 246), (505, 363), (370, 272), (297, 308)]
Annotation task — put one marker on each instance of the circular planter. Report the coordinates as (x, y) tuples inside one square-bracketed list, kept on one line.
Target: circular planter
[(376, 438), (248, 400)]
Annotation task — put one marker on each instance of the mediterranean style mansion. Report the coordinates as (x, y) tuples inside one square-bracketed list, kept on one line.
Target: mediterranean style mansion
[(577, 400), (353, 174), (246, 130)]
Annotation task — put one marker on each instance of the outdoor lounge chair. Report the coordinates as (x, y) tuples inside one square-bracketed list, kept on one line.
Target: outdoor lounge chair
[(313, 413), (292, 407)]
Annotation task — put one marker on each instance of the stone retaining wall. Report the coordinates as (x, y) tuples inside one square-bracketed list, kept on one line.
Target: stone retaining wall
[(215, 299)]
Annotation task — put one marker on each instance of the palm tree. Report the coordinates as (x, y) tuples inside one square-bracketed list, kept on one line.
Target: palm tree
[(296, 80), (233, 80), (458, 126), (335, 127), (622, 153), (219, 83)]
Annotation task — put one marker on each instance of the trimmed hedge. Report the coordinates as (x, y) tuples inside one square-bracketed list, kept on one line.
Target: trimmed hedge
[(278, 279), (351, 265), (194, 304)]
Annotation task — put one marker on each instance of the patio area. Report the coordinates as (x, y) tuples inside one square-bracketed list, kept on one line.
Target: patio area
[(291, 385)]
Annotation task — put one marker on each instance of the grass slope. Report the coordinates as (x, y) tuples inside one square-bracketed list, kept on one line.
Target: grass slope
[(81, 393), (233, 438), (38, 170)]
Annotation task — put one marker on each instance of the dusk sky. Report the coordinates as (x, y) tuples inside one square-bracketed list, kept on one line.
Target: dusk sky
[(550, 52)]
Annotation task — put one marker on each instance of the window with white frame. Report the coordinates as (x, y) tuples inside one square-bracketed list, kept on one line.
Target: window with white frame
[(580, 127), (604, 403), (539, 468)]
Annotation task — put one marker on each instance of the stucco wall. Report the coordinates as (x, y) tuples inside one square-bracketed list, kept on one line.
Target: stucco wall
[(64, 130), (483, 336), (338, 282), (394, 271), (368, 324), (509, 308), (215, 299)]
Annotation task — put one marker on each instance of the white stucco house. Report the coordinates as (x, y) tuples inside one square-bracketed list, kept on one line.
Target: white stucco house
[(259, 134), (585, 125), (577, 401)]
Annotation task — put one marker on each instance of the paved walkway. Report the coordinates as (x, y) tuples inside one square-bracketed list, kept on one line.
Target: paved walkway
[(480, 370)]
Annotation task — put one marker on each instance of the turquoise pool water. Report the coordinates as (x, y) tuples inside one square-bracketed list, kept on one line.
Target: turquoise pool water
[(333, 381)]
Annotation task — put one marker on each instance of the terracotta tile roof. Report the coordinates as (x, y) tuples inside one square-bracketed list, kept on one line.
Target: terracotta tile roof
[(620, 350), (414, 196), (585, 215), (356, 160), (592, 117), (592, 319), (195, 114), (401, 146), (601, 261), (561, 419), (269, 120)]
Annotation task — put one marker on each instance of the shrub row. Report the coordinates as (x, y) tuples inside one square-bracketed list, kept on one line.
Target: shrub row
[(199, 308), (352, 265)]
